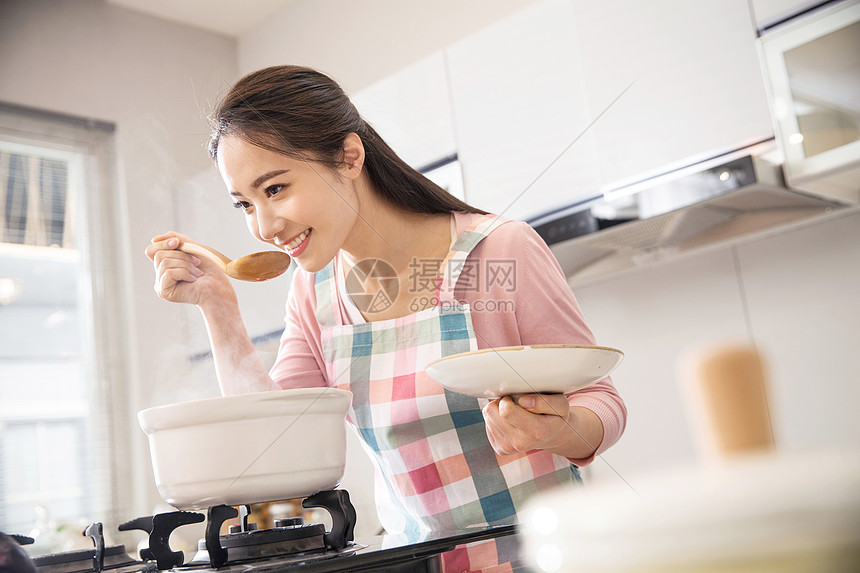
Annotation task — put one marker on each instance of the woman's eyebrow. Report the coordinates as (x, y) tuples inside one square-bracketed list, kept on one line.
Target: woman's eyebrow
[(266, 176)]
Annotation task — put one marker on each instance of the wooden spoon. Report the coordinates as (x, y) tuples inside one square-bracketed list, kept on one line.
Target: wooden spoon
[(260, 266)]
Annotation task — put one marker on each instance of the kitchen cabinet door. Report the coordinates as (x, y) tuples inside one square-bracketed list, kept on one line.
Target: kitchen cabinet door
[(698, 87), (813, 66), (411, 110), (519, 104)]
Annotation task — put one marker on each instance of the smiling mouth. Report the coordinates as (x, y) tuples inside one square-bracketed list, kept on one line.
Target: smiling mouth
[(298, 240)]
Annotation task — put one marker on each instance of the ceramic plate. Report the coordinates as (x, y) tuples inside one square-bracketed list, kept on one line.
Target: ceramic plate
[(515, 370)]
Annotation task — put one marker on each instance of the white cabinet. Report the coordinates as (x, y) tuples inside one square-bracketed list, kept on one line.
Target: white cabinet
[(516, 100), (813, 65), (411, 110), (770, 12), (518, 104), (697, 90)]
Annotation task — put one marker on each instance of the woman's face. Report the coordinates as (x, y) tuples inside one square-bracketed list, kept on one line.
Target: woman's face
[(299, 206)]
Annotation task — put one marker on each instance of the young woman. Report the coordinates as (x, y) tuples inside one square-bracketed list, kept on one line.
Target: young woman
[(314, 179)]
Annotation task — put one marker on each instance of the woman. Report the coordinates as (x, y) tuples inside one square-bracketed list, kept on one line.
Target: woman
[(312, 178)]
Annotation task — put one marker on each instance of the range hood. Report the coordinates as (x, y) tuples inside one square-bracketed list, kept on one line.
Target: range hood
[(706, 203)]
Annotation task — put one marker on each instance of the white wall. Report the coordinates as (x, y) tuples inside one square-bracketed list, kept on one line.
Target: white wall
[(794, 294)]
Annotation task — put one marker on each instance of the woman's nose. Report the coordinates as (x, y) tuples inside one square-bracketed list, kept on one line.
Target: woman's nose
[(269, 224)]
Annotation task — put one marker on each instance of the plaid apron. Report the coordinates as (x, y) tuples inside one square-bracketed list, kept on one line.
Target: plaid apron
[(429, 445)]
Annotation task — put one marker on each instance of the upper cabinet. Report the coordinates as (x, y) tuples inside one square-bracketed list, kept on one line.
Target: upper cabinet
[(813, 66), (565, 99), (521, 110), (697, 87), (411, 110), (770, 12)]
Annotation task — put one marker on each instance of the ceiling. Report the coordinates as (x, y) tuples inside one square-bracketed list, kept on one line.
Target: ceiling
[(229, 17)]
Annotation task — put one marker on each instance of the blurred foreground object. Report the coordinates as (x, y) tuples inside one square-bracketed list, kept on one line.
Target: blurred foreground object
[(727, 399), (749, 509), (13, 559), (759, 514)]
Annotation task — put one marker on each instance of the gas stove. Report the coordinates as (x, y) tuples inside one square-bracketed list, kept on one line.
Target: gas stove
[(291, 545)]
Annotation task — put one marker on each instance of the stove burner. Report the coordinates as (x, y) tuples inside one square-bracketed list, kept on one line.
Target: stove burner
[(277, 541), (216, 516), (159, 527), (337, 504), (244, 542), (255, 544)]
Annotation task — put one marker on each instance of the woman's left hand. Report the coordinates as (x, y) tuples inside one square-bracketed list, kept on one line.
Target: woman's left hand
[(534, 422)]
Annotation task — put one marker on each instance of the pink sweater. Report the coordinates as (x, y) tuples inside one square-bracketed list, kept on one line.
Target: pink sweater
[(543, 311)]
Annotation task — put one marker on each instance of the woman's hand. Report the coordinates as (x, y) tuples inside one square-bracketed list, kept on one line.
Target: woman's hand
[(542, 422), (181, 277)]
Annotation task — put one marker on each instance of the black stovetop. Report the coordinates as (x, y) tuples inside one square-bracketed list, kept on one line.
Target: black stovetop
[(381, 553), (291, 545)]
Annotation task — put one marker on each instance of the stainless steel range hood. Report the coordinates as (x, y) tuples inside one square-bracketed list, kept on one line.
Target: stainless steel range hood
[(707, 203)]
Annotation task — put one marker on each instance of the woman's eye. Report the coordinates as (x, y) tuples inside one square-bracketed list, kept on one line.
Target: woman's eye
[(244, 205), (273, 190)]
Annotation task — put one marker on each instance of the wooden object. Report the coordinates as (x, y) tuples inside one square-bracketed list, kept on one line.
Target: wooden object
[(729, 392)]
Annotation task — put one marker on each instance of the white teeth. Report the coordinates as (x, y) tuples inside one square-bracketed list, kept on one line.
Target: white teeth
[(298, 240)]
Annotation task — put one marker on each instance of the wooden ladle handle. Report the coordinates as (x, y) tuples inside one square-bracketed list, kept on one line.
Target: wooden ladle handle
[(730, 387), (208, 252)]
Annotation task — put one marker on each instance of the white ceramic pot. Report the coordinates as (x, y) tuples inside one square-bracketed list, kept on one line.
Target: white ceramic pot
[(248, 448)]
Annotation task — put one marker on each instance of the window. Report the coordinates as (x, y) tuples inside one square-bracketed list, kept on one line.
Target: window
[(60, 362)]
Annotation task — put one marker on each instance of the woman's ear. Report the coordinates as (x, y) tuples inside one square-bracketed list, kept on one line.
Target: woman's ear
[(353, 155)]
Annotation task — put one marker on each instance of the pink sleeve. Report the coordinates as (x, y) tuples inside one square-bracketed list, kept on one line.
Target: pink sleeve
[(299, 363), (544, 311)]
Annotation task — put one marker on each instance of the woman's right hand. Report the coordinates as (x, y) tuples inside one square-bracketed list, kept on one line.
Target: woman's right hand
[(182, 277)]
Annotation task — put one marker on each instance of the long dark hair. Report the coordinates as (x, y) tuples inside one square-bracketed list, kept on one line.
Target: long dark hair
[(295, 110)]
